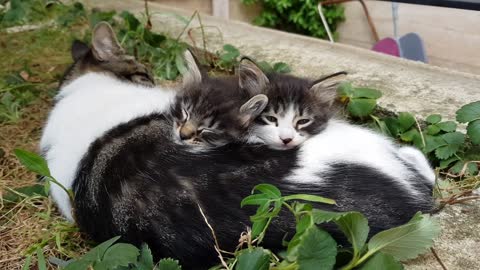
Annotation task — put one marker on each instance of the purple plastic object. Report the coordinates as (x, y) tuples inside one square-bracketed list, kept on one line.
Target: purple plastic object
[(387, 46)]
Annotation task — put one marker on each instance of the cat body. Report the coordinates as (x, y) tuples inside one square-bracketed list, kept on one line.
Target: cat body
[(138, 183)]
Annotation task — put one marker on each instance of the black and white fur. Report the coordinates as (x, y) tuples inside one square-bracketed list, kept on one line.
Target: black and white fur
[(138, 182)]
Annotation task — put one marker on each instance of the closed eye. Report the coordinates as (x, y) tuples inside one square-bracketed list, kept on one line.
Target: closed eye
[(269, 118), (205, 131), (303, 121)]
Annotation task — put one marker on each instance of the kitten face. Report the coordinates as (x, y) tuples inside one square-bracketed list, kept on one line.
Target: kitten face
[(297, 108), (106, 56), (211, 112)]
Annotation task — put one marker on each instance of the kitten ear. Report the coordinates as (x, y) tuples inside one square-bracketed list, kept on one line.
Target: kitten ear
[(251, 77), (79, 50), (252, 108), (193, 74), (104, 42), (325, 88)]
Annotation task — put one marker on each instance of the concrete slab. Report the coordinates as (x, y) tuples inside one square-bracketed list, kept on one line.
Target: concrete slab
[(407, 86)]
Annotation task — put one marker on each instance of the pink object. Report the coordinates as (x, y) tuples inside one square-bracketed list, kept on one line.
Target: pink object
[(387, 46)]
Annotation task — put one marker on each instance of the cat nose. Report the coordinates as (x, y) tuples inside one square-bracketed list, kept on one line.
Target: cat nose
[(286, 141), (187, 131)]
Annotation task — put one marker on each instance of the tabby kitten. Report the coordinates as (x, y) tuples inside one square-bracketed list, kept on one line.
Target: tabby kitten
[(297, 109), (108, 57)]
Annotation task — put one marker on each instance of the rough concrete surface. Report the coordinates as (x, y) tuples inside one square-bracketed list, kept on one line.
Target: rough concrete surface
[(407, 86)]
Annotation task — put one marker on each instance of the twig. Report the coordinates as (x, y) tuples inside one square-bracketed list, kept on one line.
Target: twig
[(147, 13), (216, 246), (420, 131), (438, 258)]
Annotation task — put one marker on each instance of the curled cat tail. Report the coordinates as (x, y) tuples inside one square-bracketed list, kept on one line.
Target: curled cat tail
[(418, 160)]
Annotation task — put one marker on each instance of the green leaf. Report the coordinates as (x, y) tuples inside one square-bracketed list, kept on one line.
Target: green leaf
[(33, 162), (473, 131), (169, 264), (231, 49), (447, 126), (345, 89), (405, 121), (317, 250), (180, 63), (433, 130), (255, 199), (355, 227), (310, 198), (153, 39), (322, 216), (120, 254), (42, 265), (26, 264), (393, 125), (409, 135), (469, 112), (454, 141), (382, 261), (406, 241), (472, 168), (281, 67), (18, 194), (433, 142), (458, 167), (258, 227), (265, 66), (145, 262), (445, 163), (132, 22), (434, 118), (361, 107), (256, 258), (366, 93), (96, 254), (270, 190)]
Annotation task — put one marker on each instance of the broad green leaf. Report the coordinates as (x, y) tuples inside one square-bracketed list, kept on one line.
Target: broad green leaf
[(120, 254), (406, 121), (231, 48), (270, 190), (229, 57), (153, 39), (33, 162), (361, 106), (434, 118), (355, 227), (41, 263), (281, 67), (18, 194), (169, 264), (145, 261), (433, 142), (433, 130), (96, 254), (393, 125), (445, 163), (258, 226), (304, 222), (322, 216), (454, 141), (369, 93), (457, 167), (256, 258), (317, 250), (472, 168), (382, 261), (447, 126), (406, 241), (132, 22), (409, 135), (309, 198), (265, 66), (473, 131), (454, 138), (345, 89), (469, 112), (255, 199)]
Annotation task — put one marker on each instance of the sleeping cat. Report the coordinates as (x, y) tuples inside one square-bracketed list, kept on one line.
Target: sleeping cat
[(141, 180), (105, 87)]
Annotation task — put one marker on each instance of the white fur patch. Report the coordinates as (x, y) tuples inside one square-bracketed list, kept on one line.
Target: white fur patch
[(342, 142), (86, 108)]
